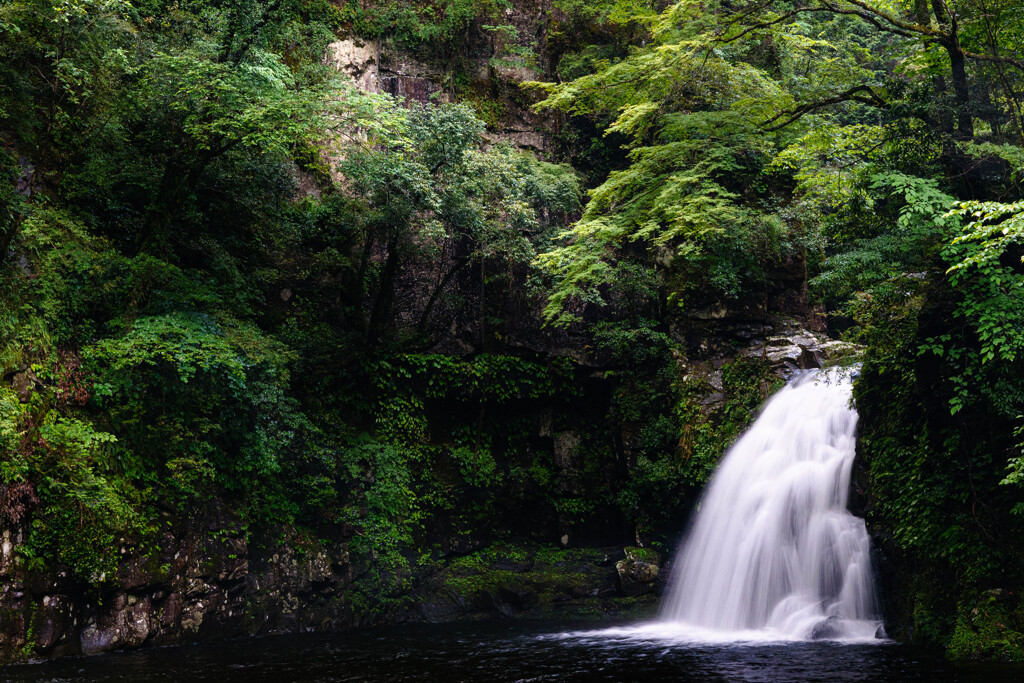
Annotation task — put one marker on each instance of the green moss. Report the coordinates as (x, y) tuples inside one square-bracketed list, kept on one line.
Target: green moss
[(931, 612), (642, 555), (988, 628), (154, 568), (547, 580), (491, 111)]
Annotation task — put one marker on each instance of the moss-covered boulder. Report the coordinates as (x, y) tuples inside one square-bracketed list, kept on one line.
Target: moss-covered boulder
[(638, 572)]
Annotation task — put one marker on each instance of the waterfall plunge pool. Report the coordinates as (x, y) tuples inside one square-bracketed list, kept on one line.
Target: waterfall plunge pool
[(773, 584), (510, 651)]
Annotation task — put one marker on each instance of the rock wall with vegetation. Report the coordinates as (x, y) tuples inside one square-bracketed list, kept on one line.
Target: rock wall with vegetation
[(323, 314)]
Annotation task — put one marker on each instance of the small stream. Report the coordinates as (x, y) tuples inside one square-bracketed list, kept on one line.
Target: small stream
[(508, 651)]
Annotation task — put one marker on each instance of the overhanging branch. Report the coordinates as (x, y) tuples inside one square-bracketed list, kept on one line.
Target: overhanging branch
[(864, 94)]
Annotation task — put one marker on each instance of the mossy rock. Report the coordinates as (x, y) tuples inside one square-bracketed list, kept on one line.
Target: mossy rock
[(642, 555), (530, 581), (988, 629)]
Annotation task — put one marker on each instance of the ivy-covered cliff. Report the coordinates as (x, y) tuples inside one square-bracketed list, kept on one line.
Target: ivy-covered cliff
[(322, 314)]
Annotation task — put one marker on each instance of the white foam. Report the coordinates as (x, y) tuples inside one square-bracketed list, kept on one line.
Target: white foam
[(681, 634), (773, 554)]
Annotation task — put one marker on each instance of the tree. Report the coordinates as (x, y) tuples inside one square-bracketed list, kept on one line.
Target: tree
[(429, 190), (720, 91)]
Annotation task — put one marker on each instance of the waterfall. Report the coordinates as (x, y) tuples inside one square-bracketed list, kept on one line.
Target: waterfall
[(772, 547)]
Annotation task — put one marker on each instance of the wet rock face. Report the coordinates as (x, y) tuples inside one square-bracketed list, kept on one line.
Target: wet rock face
[(533, 582), (487, 57), (358, 59), (9, 540), (826, 629), (126, 623), (53, 621), (376, 70), (792, 347), (24, 383), (203, 584)]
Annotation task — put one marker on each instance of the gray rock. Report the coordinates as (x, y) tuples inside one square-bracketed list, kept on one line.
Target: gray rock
[(172, 610), (824, 630), (24, 383), (125, 625), (52, 621), (636, 577)]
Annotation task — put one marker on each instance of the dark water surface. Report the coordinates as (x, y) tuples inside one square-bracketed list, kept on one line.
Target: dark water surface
[(506, 652)]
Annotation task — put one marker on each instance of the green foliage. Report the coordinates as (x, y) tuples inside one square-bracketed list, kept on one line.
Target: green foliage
[(986, 270), (428, 190), (671, 200), (988, 628), (676, 437), (909, 244), (388, 508), (159, 380), (986, 266), (11, 203), (229, 276), (486, 378), (930, 471), (71, 468), (690, 116), (162, 180), (432, 466), (435, 26)]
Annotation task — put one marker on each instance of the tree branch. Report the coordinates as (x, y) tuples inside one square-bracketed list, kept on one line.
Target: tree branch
[(996, 59), (852, 95), (893, 22)]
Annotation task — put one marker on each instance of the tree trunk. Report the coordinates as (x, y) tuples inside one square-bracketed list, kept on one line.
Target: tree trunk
[(385, 292), (425, 316), (962, 91)]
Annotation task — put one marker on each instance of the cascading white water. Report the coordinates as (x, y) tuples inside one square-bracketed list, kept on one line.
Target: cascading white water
[(773, 547)]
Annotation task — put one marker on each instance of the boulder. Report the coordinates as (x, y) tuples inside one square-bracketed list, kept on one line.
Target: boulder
[(52, 622), (796, 348), (826, 629), (638, 572), (24, 383), (126, 624)]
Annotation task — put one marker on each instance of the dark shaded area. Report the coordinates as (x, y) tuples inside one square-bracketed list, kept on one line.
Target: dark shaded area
[(506, 652)]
